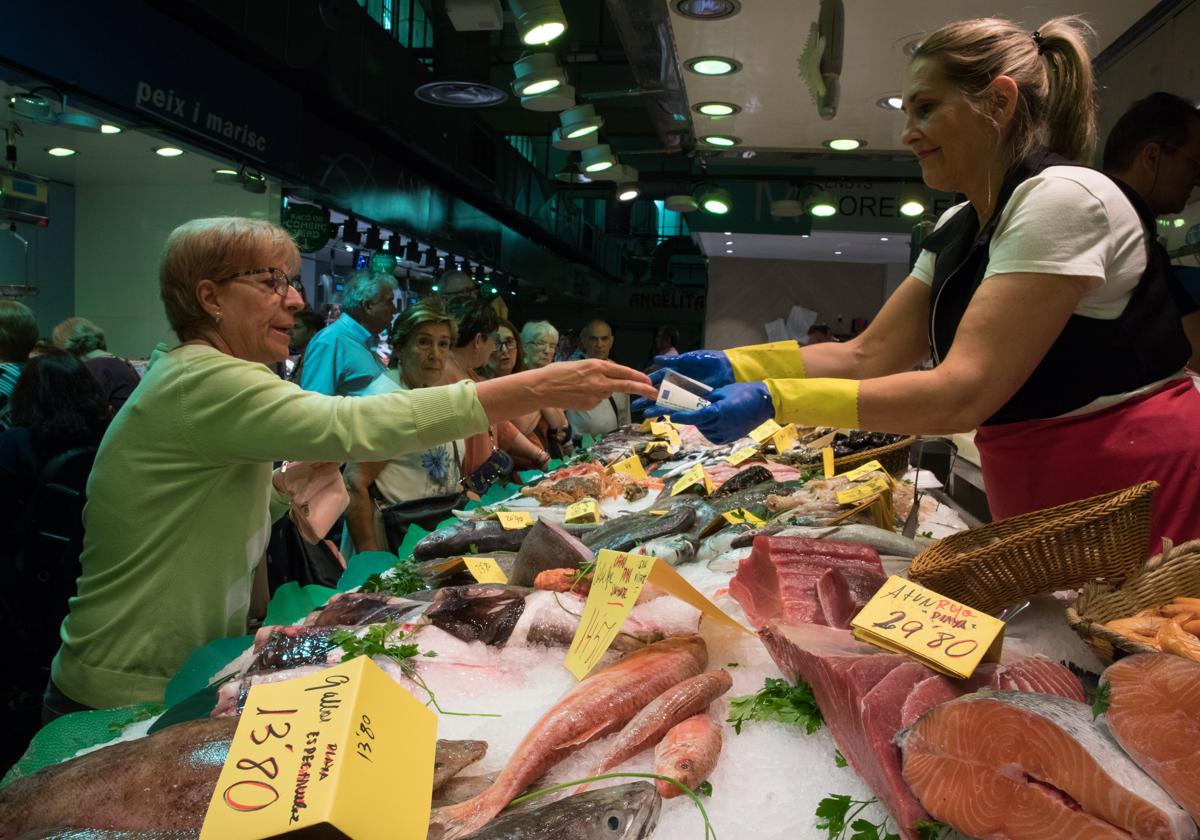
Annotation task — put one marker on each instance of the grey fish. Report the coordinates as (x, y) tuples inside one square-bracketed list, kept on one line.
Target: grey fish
[(728, 561), (623, 812), (462, 788), (178, 765), (481, 612), (753, 499), (636, 528), (353, 608), (468, 537), (720, 542), (883, 541), (675, 549), (548, 546)]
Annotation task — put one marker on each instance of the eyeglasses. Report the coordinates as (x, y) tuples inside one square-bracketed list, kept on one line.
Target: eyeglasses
[(543, 345), (279, 282), (505, 344)]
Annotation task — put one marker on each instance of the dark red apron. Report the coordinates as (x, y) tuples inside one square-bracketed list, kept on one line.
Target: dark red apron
[(1037, 464)]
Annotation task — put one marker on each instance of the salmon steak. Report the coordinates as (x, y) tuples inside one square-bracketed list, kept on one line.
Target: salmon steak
[(1013, 764), (1154, 713)]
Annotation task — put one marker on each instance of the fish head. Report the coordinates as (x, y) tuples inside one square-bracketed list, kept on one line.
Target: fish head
[(623, 812)]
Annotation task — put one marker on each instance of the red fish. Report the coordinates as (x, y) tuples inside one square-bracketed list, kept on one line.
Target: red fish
[(688, 753)]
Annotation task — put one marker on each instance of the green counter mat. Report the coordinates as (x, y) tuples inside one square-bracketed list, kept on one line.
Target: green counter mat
[(362, 566)]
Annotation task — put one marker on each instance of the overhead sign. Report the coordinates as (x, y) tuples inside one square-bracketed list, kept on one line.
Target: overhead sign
[(308, 226)]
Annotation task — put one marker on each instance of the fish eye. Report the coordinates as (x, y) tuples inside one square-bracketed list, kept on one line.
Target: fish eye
[(685, 765), (614, 822)]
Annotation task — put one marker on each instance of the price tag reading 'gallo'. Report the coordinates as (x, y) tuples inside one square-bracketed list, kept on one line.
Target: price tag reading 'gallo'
[(514, 520), (631, 466), (323, 751), (617, 581), (943, 634)]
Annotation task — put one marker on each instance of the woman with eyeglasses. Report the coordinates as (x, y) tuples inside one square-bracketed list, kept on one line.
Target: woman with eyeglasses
[(182, 494), (547, 428)]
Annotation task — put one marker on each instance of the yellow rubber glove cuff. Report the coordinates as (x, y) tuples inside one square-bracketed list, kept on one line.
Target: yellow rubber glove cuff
[(776, 360), (815, 402)]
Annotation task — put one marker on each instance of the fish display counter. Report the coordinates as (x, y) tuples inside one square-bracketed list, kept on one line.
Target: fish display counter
[(770, 720)]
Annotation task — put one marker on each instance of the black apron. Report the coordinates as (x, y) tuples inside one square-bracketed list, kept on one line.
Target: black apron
[(1091, 357)]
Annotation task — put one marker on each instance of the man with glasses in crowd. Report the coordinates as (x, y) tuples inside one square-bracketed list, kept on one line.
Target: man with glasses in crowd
[(340, 360), (1155, 148)]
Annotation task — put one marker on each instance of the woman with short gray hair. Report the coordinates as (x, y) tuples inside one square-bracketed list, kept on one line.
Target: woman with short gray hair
[(182, 495), (84, 340)]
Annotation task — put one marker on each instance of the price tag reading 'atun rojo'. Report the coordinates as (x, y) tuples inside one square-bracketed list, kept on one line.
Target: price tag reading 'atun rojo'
[(324, 750), (945, 635)]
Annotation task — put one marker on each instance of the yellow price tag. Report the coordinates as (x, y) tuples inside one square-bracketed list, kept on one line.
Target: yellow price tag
[(785, 438), (863, 471), (659, 512), (514, 520), (947, 636), (659, 428), (742, 455), (741, 516), (827, 461), (764, 432), (650, 422), (617, 580), (733, 517), (862, 491), (485, 569), (631, 466), (583, 511), (327, 748), (750, 519), (695, 475), (673, 441)]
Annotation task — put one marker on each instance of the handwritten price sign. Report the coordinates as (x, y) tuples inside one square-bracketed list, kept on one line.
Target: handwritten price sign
[(616, 583), (631, 466), (942, 633), (325, 750)]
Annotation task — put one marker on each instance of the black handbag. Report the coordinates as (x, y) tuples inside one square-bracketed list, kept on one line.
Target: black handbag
[(426, 513), (498, 467)]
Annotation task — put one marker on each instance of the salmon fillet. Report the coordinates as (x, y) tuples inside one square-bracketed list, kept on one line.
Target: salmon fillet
[(1155, 715), (1011, 764)]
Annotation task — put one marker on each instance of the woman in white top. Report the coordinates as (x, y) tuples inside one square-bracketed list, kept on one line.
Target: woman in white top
[(1042, 297), (422, 336)]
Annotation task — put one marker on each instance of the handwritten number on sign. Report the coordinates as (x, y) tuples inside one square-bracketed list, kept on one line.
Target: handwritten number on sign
[(249, 764), (364, 728), (896, 617), (271, 733)]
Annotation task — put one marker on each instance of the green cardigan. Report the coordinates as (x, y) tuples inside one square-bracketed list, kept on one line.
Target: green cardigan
[(180, 504)]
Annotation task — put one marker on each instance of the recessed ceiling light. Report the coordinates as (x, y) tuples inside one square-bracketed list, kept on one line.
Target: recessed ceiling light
[(707, 9), (628, 192), (728, 250), (729, 233), (837, 253), (716, 109), (713, 65), (721, 140), (883, 239), (60, 151), (844, 144), (109, 128), (168, 151), (804, 236), (730, 242), (224, 171), (890, 103), (912, 208)]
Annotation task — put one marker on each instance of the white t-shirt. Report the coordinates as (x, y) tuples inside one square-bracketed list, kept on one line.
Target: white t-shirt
[(1066, 220)]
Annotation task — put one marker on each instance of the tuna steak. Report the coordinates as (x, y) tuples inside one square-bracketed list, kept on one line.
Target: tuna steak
[(1154, 714), (601, 704), (547, 546), (801, 581), (160, 784), (1011, 764)]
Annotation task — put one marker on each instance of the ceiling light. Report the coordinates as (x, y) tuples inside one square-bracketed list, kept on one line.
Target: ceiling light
[(804, 236), (729, 233), (707, 9), (579, 121), (730, 242), (436, 288), (559, 140), (570, 174), (883, 239), (223, 171), (77, 122), (168, 151), (60, 151), (912, 207), (820, 204), (715, 200), (837, 253), (450, 93), (109, 128), (680, 203), (597, 158), (890, 103), (1178, 223), (628, 192), (558, 99), (720, 140), (32, 106), (844, 144), (538, 21), (537, 73), (713, 65), (716, 109), (728, 250)]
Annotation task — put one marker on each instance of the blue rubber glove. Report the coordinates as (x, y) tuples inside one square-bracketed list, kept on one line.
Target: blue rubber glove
[(734, 411), (708, 366)]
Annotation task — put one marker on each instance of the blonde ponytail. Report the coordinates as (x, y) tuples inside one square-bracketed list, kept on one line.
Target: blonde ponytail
[(1071, 104)]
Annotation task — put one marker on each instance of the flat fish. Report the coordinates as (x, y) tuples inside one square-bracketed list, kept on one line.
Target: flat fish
[(482, 612), (673, 706), (289, 646), (548, 546), (623, 812), (1013, 764), (629, 531), (601, 704), (153, 787), (688, 752), (1154, 713)]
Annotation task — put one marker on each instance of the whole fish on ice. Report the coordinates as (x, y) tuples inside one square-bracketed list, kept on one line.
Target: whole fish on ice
[(624, 812)]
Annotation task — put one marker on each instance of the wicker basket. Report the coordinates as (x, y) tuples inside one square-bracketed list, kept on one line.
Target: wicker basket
[(1175, 572), (893, 457), (1062, 547)]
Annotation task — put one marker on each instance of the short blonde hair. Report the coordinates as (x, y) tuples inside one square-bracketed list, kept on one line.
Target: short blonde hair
[(214, 249), (78, 336)]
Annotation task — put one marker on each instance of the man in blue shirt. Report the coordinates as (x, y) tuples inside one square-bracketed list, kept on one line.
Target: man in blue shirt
[(340, 360)]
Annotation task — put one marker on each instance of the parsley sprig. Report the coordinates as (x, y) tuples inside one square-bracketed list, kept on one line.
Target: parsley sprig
[(403, 580), (837, 813), (778, 700), (1102, 700), (389, 641)]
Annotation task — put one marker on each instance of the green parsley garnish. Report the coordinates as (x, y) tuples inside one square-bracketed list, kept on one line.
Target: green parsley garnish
[(778, 700), (402, 581), (839, 759), (1102, 700), (836, 814), (930, 829), (704, 788)]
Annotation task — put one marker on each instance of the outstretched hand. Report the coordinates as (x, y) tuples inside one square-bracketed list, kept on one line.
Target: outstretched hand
[(732, 411)]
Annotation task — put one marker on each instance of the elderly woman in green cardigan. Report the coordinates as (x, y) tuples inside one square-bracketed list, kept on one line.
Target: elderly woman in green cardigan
[(182, 495)]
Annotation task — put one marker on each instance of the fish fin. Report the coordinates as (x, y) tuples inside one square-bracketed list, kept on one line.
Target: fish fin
[(602, 729)]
